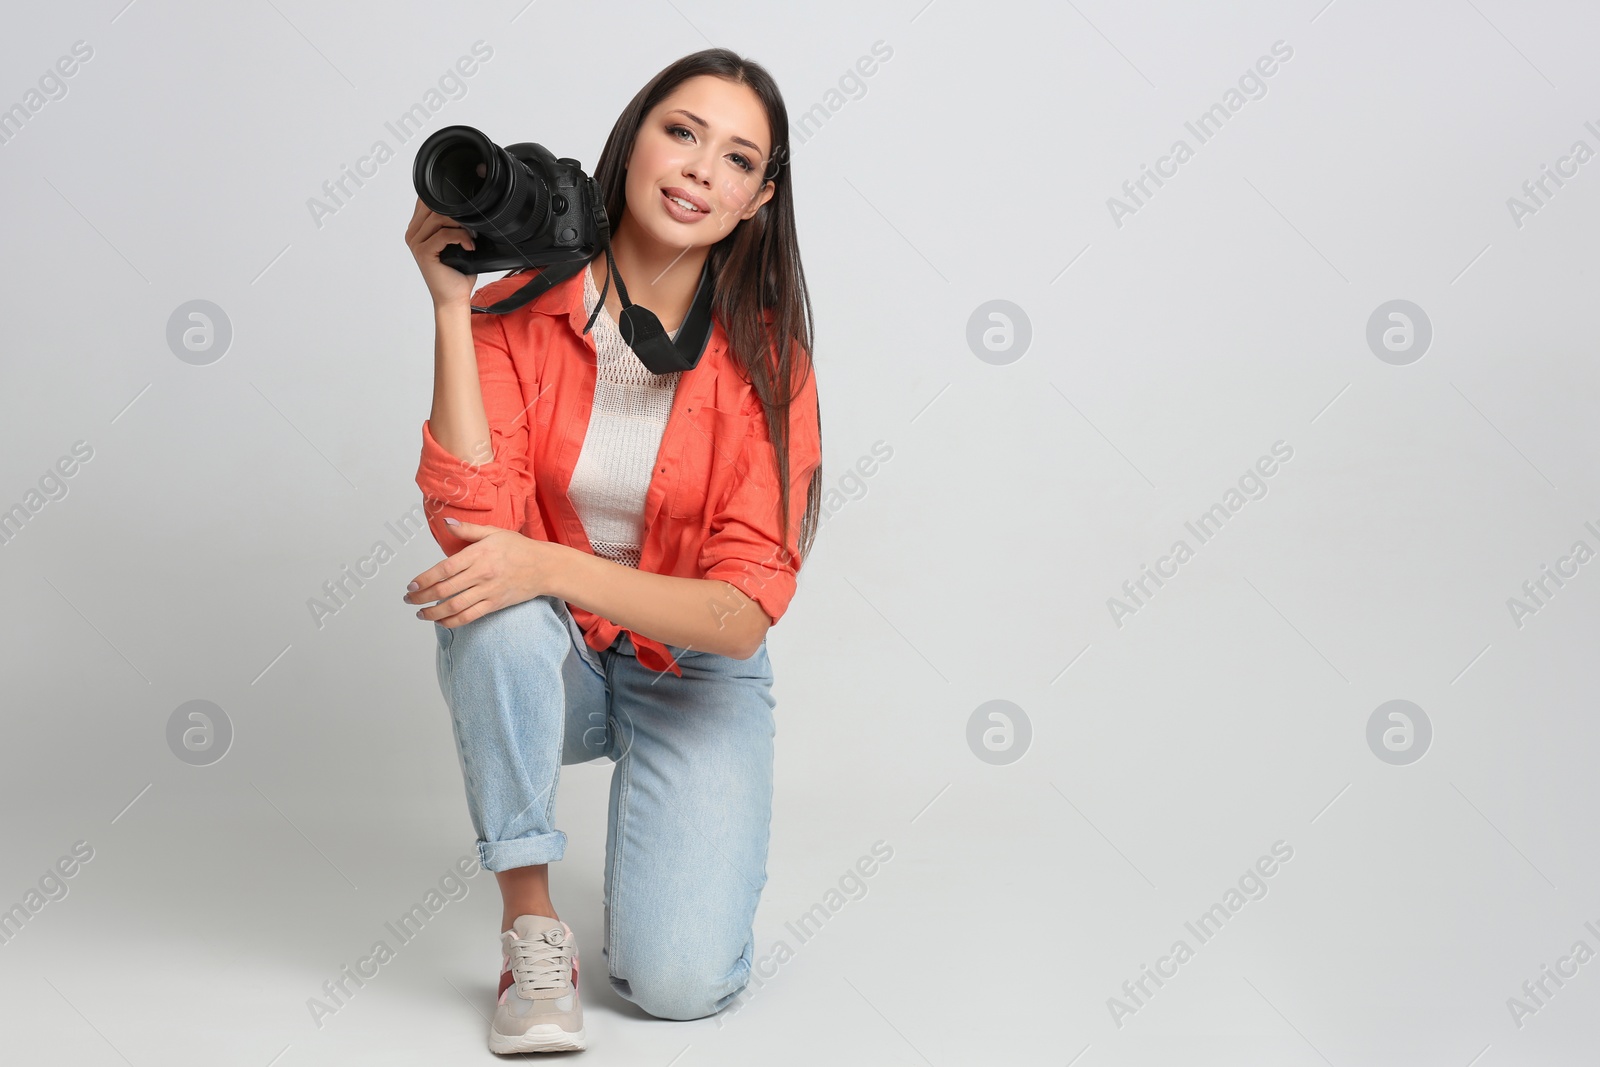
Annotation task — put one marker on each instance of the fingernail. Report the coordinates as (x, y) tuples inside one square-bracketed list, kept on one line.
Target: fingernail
[(451, 522), (419, 613), (412, 587)]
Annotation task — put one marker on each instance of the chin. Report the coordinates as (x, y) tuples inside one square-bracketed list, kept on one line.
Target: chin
[(672, 235), (653, 223)]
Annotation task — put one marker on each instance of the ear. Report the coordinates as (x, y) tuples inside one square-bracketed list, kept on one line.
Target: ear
[(755, 205)]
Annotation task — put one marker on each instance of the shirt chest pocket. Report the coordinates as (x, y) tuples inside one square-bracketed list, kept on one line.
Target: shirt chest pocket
[(707, 468)]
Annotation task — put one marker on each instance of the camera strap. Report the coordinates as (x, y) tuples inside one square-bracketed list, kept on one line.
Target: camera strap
[(541, 283), (639, 326)]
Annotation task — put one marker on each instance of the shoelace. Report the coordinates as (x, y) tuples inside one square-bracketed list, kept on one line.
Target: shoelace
[(539, 964)]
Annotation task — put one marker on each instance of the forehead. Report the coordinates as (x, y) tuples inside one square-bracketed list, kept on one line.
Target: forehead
[(730, 110)]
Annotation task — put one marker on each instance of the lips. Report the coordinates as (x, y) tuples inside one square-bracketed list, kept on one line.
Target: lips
[(686, 195)]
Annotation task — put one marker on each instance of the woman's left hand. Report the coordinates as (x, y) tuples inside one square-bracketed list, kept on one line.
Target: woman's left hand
[(502, 567)]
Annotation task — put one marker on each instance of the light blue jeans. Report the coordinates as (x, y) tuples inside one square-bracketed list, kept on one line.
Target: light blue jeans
[(691, 792)]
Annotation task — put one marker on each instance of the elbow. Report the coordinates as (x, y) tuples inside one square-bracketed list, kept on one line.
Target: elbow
[(751, 641), (742, 627)]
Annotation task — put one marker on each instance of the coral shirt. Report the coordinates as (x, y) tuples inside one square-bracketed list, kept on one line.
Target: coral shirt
[(711, 509)]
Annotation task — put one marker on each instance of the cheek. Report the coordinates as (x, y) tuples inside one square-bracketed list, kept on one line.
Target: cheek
[(735, 201), (640, 189), (642, 169), (648, 164)]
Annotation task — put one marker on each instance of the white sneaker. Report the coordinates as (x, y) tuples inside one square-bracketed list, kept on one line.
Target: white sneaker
[(539, 1008)]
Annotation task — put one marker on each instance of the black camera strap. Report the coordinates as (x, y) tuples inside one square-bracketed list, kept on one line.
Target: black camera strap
[(541, 283), (639, 326)]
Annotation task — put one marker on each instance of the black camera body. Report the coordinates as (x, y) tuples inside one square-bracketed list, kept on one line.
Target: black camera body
[(523, 206)]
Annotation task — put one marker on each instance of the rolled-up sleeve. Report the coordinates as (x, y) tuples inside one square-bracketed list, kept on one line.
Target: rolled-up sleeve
[(499, 492), (744, 546)]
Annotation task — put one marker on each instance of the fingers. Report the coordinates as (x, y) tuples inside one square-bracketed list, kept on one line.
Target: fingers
[(417, 216), (433, 224), (463, 607), (437, 598), (477, 610), (426, 224), (442, 590), (446, 235), (428, 251), (430, 582)]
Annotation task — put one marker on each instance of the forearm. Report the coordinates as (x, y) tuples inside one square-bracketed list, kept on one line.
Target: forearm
[(695, 613), (458, 421)]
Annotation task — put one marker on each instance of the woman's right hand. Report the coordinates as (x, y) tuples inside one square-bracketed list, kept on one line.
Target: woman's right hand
[(427, 236)]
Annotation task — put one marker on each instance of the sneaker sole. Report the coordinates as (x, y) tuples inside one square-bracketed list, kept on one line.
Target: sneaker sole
[(541, 1037)]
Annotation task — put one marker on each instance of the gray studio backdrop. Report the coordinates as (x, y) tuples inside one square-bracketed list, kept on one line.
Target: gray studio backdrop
[(1196, 664)]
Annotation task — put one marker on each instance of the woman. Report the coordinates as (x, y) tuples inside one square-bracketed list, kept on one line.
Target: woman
[(619, 543)]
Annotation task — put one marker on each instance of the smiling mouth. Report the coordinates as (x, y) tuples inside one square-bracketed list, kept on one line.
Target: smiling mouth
[(681, 202)]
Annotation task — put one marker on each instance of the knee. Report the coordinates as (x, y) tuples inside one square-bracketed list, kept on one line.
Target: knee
[(681, 990), (515, 625)]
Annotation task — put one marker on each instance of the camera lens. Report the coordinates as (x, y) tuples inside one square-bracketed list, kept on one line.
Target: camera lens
[(509, 202), (455, 174)]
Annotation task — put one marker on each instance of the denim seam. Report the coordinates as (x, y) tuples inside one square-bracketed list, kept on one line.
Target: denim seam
[(625, 769), (445, 650), (561, 730)]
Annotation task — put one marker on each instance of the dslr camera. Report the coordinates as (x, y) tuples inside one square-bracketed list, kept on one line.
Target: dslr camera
[(522, 205)]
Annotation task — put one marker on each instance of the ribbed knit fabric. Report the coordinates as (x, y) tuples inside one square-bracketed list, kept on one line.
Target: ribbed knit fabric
[(619, 450)]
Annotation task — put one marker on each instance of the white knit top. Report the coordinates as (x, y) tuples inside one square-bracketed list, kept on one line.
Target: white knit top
[(619, 450)]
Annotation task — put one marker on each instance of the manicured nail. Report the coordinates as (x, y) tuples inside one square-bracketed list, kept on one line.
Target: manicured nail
[(451, 522), (412, 587)]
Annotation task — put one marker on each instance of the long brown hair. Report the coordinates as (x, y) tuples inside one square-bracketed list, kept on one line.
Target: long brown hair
[(756, 267)]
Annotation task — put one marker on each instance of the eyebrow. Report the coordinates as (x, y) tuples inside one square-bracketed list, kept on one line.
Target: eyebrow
[(706, 125)]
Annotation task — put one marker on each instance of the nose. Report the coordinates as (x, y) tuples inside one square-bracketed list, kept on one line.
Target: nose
[(697, 168)]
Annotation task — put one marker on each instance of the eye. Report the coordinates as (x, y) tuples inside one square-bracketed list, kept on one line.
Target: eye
[(743, 163)]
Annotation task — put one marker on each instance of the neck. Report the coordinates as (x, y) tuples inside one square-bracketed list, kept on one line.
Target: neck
[(660, 277)]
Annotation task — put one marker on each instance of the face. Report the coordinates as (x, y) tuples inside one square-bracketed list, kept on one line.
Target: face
[(709, 143)]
